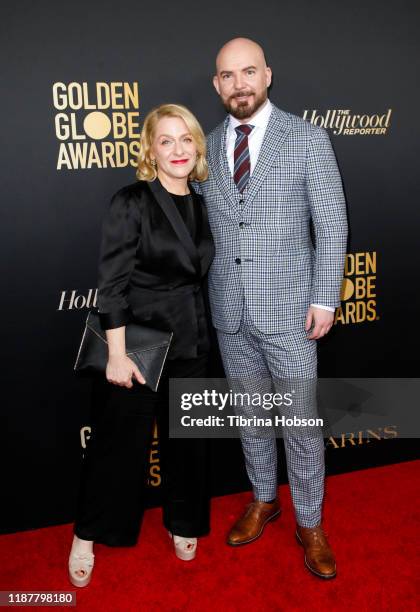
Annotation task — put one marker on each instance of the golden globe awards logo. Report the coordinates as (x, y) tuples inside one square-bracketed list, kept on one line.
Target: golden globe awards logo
[(97, 125), (358, 290), (154, 477), (343, 122)]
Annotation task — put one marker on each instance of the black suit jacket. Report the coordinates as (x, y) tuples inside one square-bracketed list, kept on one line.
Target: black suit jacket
[(150, 269)]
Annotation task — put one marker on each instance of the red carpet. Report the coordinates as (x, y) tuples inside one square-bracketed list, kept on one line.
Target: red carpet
[(371, 517)]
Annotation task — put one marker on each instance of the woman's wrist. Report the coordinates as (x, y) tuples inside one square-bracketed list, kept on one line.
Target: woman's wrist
[(116, 354), (116, 342)]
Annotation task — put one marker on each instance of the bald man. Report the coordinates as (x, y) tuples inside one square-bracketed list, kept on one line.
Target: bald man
[(273, 292)]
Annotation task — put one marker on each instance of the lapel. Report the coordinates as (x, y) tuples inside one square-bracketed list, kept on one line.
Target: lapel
[(278, 128), (222, 171), (198, 214), (204, 238), (170, 210)]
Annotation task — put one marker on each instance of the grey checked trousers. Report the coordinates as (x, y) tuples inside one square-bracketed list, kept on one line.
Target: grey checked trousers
[(264, 362)]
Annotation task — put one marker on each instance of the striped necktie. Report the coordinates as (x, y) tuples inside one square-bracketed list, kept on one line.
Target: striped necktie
[(242, 165)]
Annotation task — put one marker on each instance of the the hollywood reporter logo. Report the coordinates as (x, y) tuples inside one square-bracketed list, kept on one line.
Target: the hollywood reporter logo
[(72, 299), (343, 122), (97, 125)]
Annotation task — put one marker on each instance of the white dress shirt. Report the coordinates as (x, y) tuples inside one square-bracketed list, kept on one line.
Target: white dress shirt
[(255, 140)]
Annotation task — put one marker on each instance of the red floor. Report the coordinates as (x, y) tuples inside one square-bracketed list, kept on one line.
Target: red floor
[(371, 517)]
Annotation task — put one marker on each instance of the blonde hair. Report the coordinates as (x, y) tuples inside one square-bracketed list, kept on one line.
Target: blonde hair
[(146, 171)]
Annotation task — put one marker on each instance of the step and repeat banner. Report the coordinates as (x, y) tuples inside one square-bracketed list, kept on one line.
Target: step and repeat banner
[(78, 79)]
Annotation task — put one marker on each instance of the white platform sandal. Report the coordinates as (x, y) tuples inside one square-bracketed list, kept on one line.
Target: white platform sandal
[(82, 563), (185, 548)]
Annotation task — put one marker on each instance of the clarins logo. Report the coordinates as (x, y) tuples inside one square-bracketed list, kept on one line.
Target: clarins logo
[(362, 437)]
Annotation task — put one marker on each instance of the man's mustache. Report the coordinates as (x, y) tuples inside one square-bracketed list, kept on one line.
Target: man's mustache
[(242, 93)]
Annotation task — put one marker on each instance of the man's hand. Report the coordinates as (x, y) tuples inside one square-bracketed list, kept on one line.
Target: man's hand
[(322, 321)]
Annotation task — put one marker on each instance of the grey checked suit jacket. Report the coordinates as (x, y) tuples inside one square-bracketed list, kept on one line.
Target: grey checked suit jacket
[(264, 253)]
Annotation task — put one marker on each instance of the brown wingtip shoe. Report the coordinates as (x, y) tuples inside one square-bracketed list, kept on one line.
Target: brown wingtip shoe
[(319, 558), (251, 524)]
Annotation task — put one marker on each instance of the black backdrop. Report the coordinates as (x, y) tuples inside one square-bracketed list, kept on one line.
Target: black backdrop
[(354, 59)]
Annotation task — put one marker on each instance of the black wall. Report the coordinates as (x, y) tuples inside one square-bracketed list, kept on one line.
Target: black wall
[(357, 57)]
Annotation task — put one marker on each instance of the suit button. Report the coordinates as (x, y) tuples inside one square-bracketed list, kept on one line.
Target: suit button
[(238, 260), (242, 224)]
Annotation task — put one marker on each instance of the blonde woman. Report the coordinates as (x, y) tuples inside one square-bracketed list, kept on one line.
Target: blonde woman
[(155, 252)]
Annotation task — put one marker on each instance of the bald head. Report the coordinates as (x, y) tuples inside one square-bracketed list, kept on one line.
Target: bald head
[(239, 47), (242, 77)]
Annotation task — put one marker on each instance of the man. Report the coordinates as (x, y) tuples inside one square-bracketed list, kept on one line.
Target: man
[(272, 295)]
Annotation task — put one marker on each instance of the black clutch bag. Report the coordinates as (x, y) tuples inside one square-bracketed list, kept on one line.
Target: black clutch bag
[(145, 346)]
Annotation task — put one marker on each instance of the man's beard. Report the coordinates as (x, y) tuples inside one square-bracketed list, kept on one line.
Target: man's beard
[(244, 110)]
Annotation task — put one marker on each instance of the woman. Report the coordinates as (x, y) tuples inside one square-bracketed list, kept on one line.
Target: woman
[(155, 253)]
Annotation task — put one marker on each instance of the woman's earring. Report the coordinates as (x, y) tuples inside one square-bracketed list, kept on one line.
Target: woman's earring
[(153, 162)]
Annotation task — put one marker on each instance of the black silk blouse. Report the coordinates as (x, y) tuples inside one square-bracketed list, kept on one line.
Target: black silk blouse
[(156, 250), (187, 209), (185, 206)]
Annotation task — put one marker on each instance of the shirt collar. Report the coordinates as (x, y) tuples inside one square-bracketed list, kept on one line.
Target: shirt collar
[(260, 120)]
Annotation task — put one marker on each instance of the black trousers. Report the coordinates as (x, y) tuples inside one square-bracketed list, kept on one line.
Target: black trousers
[(114, 470)]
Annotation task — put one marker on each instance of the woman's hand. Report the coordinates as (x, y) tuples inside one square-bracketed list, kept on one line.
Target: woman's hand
[(120, 370)]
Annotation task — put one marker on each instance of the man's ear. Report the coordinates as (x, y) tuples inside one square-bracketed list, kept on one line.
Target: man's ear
[(269, 75), (216, 83)]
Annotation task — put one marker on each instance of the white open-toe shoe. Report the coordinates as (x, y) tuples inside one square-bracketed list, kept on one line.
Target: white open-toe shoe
[(185, 548), (83, 564)]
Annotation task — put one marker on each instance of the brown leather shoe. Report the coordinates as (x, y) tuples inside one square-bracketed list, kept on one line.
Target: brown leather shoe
[(319, 558), (251, 524)]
